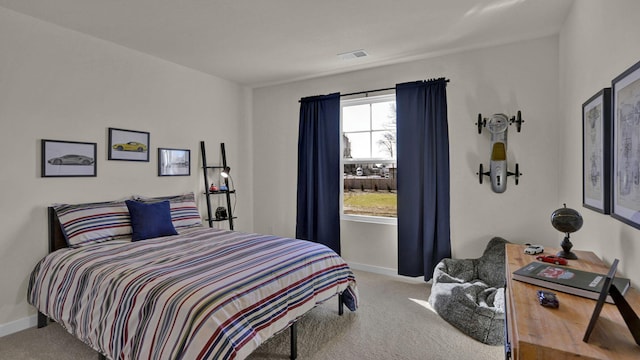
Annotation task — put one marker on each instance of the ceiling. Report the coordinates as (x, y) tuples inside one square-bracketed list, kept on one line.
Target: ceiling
[(263, 42)]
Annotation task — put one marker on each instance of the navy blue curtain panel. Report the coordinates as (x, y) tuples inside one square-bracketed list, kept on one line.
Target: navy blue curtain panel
[(423, 177), (318, 201)]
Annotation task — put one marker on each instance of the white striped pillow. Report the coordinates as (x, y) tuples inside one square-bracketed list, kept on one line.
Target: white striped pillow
[(184, 211), (88, 223)]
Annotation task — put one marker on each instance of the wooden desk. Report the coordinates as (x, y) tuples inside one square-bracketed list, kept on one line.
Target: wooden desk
[(537, 332)]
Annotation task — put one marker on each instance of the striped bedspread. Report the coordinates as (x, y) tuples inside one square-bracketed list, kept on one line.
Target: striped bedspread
[(206, 294)]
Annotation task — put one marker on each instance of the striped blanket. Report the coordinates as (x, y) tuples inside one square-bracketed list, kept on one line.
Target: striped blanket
[(206, 294)]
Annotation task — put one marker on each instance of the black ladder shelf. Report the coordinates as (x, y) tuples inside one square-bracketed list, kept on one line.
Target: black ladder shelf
[(217, 169)]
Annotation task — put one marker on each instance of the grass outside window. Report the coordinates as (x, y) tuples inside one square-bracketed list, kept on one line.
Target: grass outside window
[(370, 203)]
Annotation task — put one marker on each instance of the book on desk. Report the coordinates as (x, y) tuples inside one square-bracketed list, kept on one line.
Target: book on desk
[(565, 279)]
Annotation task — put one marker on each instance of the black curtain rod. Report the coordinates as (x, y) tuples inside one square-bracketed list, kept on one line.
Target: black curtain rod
[(376, 90), (367, 91)]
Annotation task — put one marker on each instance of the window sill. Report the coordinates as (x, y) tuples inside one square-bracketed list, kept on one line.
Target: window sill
[(370, 219)]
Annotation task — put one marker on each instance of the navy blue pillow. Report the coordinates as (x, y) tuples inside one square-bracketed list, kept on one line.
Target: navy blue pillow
[(150, 220)]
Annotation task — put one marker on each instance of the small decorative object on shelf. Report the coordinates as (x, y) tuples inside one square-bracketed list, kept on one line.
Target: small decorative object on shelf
[(533, 249), (548, 299), (566, 220), (552, 259), (225, 172), (221, 213)]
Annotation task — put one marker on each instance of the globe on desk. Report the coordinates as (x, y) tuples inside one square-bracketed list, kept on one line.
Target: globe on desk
[(566, 220)]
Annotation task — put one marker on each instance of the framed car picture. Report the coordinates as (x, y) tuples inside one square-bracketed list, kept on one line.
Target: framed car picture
[(174, 162), (625, 89), (68, 158), (128, 145), (596, 151)]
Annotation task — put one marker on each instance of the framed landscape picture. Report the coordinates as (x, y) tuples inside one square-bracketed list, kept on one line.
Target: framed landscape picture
[(625, 89), (68, 158), (174, 162), (596, 151), (128, 145)]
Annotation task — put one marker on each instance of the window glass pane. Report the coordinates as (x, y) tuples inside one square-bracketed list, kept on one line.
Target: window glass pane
[(356, 118), (360, 145), (383, 115), (370, 189), (384, 144)]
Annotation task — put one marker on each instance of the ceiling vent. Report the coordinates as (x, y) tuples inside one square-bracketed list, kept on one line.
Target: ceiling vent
[(353, 55)]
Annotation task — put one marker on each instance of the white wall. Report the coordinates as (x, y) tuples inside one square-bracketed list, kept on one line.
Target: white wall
[(59, 84), (503, 79), (598, 42)]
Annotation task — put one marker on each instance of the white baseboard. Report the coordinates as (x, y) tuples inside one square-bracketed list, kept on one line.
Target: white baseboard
[(18, 325), (385, 271)]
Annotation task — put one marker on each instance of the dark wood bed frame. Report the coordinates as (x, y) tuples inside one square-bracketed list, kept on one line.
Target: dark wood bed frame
[(58, 241)]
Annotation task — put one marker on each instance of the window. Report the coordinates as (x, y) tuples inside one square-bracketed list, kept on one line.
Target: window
[(369, 159)]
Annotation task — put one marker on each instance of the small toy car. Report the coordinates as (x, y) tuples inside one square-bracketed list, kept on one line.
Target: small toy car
[(533, 249), (548, 299), (552, 259)]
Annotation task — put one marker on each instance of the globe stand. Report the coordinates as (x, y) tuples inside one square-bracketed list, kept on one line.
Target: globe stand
[(566, 220), (566, 249)]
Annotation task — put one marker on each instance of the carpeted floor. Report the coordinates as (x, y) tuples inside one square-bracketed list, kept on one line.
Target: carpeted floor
[(393, 322)]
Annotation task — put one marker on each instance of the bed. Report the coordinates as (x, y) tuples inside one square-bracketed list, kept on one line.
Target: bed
[(195, 293)]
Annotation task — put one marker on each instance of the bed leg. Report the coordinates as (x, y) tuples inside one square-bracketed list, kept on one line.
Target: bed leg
[(340, 304), (294, 341), (43, 320)]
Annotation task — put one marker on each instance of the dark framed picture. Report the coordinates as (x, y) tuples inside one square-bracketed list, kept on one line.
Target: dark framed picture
[(129, 145), (625, 203), (68, 158), (174, 162), (596, 152)]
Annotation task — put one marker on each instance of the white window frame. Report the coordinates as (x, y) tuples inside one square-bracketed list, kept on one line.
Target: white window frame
[(352, 217)]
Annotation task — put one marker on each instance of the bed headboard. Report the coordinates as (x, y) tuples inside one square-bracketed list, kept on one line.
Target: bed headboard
[(56, 237)]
